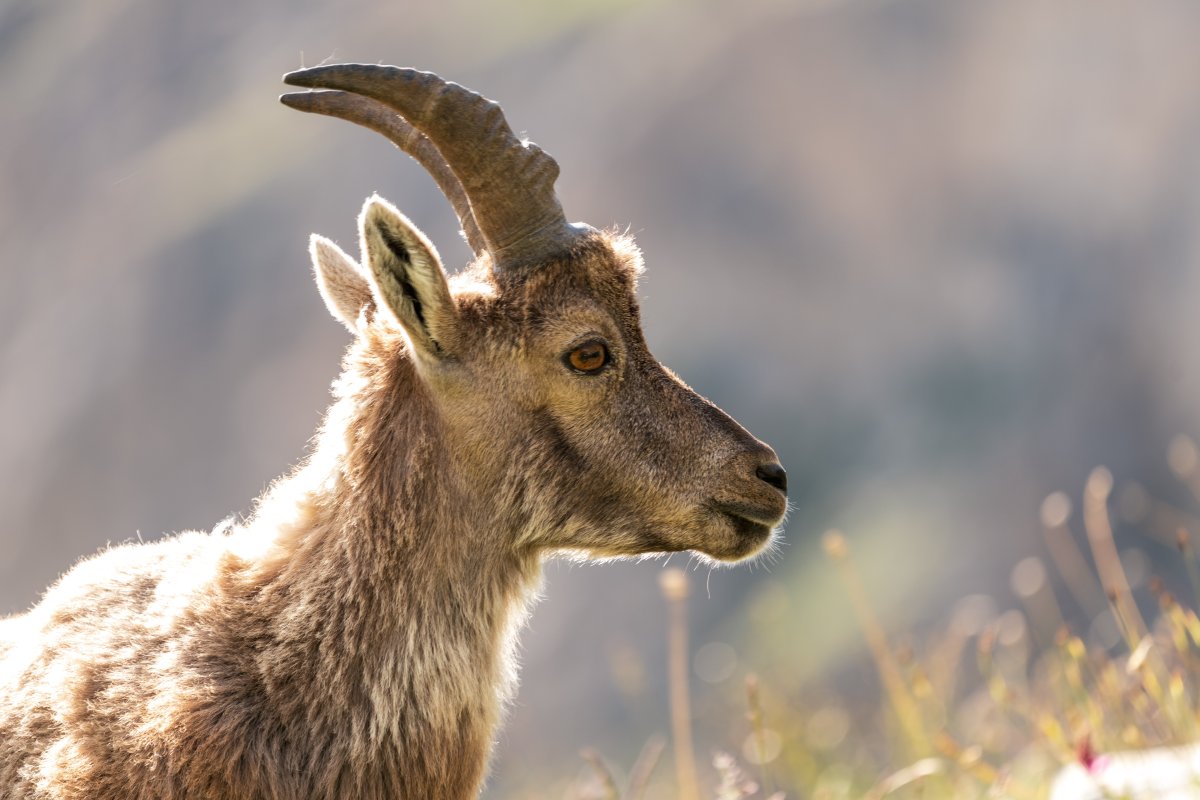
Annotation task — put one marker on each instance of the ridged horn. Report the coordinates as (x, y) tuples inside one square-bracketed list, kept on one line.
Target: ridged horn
[(508, 183), (383, 120)]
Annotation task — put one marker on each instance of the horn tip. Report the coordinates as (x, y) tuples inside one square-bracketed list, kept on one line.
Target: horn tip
[(319, 77), (312, 77), (319, 102), (300, 77)]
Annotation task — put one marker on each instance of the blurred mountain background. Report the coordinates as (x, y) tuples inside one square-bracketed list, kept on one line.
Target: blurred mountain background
[(944, 256)]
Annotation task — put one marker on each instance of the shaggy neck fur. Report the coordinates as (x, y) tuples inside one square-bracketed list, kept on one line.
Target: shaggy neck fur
[(389, 606)]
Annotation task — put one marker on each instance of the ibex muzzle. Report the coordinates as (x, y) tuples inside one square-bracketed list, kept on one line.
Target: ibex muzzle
[(353, 638)]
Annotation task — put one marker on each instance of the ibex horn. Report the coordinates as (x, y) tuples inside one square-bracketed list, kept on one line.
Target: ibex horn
[(509, 184), (382, 119)]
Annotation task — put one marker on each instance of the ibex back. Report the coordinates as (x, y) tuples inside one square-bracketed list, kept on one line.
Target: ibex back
[(353, 637)]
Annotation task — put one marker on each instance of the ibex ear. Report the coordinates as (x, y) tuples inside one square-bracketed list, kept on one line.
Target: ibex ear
[(342, 285), (406, 276)]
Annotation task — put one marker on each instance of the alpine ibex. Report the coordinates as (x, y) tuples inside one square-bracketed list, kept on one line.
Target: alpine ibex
[(353, 638)]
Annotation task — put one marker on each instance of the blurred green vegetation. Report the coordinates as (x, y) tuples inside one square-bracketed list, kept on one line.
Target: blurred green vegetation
[(984, 701)]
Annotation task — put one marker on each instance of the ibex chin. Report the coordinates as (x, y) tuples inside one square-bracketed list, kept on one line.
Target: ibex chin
[(353, 638)]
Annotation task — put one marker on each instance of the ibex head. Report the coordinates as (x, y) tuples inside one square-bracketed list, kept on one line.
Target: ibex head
[(533, 360)]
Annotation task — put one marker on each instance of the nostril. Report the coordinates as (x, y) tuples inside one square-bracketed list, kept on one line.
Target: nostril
[(773, 474)]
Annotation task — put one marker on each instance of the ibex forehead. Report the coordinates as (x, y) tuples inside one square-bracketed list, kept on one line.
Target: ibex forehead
[(604, 266)]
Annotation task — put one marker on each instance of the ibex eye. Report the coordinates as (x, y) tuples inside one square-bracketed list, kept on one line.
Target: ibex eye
[(588, 358)]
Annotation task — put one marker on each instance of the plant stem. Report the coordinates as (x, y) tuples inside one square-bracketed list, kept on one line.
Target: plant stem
[(675, 589)]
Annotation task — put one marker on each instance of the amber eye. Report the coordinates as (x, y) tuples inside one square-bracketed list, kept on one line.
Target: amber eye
[(589, 357)]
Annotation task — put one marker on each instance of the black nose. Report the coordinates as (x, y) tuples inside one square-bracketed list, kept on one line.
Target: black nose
[(773, 474)]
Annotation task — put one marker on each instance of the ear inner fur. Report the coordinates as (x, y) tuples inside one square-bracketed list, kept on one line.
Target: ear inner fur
[(406, 275), (400, 251)]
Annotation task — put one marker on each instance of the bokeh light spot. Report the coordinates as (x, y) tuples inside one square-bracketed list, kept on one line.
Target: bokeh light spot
[(972, 614), (762, 747), (1182, 456), (1028, 577), (827, 728), (1010, 628), (1104, 632), (1136, 564), (715, 662), (1056, 510)]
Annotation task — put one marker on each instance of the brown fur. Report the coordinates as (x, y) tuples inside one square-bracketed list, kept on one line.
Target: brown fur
[(353, 638)]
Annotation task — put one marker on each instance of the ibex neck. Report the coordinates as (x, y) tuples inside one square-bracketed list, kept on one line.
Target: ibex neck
[(385, 594)]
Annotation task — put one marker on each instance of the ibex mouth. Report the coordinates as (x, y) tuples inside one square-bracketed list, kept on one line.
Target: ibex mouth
[(768, 516), (749, 521)]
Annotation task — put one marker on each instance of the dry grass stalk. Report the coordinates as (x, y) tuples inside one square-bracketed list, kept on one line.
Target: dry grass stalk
[(1108, 562), (675, 589), (643, 768), (890, 674)]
